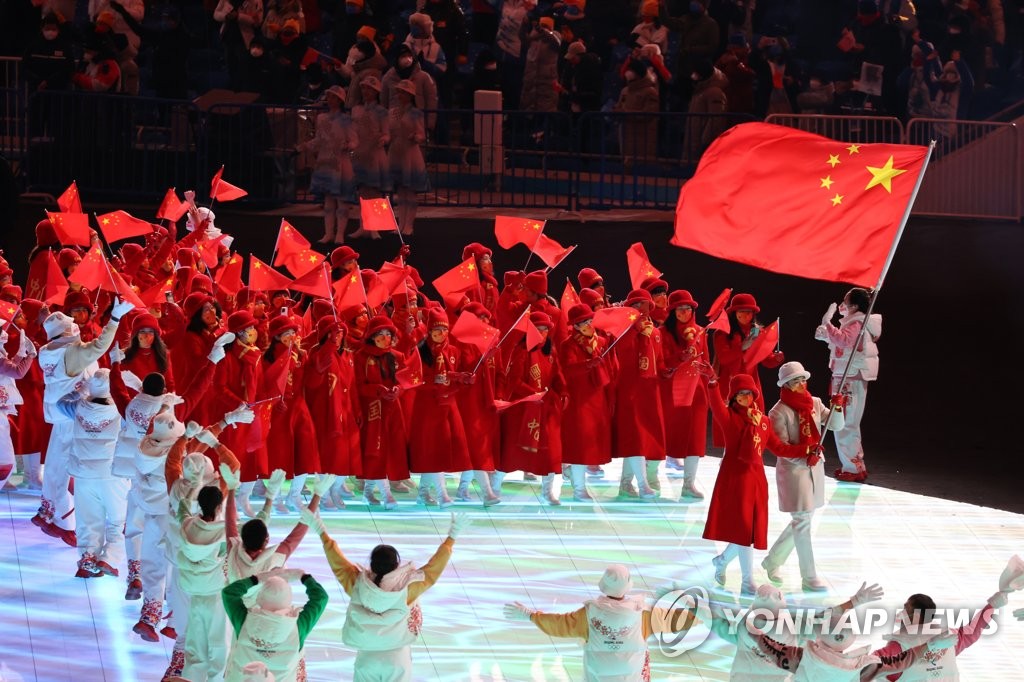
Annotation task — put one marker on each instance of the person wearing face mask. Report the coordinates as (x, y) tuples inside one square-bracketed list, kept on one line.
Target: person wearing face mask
[(735, 66), (240, 20), (863, 368), (407, 130), (738, 512), (47, 62), (683, 395), (799, 418), (586, 440), (370, 158), (383, 431), (407, 68), (364, 61), (639, 133), (650, 30), (540, 73), (709, 104), (66, 362)]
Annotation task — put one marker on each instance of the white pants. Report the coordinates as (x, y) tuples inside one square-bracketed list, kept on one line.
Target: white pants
[(206, 643), (394, 665), (100, 505), (848, 441), (796, 535), (134, 520), (154, 556), (179, 604), (7, 460), (56, 477)]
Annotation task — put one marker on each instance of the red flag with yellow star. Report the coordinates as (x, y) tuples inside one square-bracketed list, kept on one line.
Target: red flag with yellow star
[(70, 201), (640, 266), (615, 321), (377, 215), (72, 228), (262, 277), (410, 376), (171, 208), (221, 190), (316, 283), (348, 291), (454, 284), (472, 331), (512, 231), (229, 277), (119, 225), (155, 296), (793, 202)]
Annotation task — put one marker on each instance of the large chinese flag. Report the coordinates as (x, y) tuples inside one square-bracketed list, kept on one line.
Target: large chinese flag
[(349, 291), (119, 225), (550, 251), (262, 277), (453, 284), (793, 202), (229, 277)]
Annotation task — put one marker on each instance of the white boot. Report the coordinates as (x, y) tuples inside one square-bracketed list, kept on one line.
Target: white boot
[(389, 500), (638, 468), (652, 476), (805, 553), (443, 499), (578, 474), (462, 494), (748, 587), (294, 499), (368, 495), (425, 497), (497, 477), (547, 490), (335, 494), (344, 492), (626, 487), (484, 481), (690, 489)]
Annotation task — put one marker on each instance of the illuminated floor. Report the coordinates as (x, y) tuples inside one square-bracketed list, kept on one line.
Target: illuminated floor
[(57, 628)]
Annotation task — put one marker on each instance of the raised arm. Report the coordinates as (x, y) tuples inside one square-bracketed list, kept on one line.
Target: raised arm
[(316, 603), (232, 598), (432, 570)]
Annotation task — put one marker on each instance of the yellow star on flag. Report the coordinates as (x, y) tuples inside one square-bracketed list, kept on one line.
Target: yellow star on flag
[(106, 221), (833, 160), (257, 265), (826, 182), (312, 258), (471, 267), (883, 176), (853, 149), (632, 317), (837, 199)]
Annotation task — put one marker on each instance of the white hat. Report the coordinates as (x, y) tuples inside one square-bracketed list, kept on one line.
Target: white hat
[(166, 427), (98, 384), (204, 214), (257, 671), (790, 371), (616, 581), (197, 468), (275, 595), (57, 324)]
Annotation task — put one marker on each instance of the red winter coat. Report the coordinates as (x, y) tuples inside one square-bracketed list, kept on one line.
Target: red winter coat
[(686, 425), (730, 352), (144, 363), (738, 512), (437, 439), (586, 438), (383, 434), (476, 407), (639, 428), (291, 438), (531, 432), (333, 405), (30, 432), (237, 380), (189, 357)]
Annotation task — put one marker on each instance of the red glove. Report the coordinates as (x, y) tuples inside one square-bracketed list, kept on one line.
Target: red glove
[(593, 362), (814, 454), (404, 252), (840, 400)]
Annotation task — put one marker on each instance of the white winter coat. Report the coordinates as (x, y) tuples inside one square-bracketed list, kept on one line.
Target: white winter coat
[(840, 342), (616, 650), (801, 487)]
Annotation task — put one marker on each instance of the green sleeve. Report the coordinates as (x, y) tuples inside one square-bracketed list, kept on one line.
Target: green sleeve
[(232, 598), (316, 602)]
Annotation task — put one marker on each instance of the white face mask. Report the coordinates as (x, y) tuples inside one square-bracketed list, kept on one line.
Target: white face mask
[(843, 309), (50, 35)]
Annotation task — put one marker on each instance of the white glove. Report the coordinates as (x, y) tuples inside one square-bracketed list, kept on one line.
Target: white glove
[(286, 573), (231, 479), (192, 429), (116, 355), (323, 484), (207, 438), (274, 483), (517, 611), (27, 349), (173, 399), (1019, 614), (239, 415), (312, 519), (999, 600), (459, 522), (830, 313), (942, 642), (867, 594), (216, 354), (224, 339), (121, 308)]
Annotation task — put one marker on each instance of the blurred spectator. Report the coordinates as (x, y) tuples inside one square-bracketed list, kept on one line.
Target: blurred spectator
[(649, 30), (609, 22), (872, 39), (708, 108), (48, 62), (639, 133), (968, 31), (778, 78), (116, 23), (573, 23), (425, 47), (240, 20), (349, 17), (280, 11), (98, 71), (364, 61), (541, 73), (513, 28), (171, 43), (16, 18), (289, 55), (407, 68), (255, 70), (369, 160), (486, 76), (947, 99), (819, 96), (449, 29), (581, 80), (698, 39), (966, 85), (125, 43), (739, 92), (484, 25), (314, 85), (407, 129), (920, 81), (732, 17)]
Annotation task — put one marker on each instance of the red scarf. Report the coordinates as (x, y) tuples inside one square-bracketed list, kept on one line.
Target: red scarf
[(803, 405)]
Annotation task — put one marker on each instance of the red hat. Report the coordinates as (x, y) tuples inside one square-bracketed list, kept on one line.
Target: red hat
[(437, 318), (245, 296), (379, 324), (329, 325), (742, 382), (320, 308), (130, 250), (31, 307), (587, 277), (590, 297), (5, 270), (679, 298), (652, 283), (537, 282), (145, 321), (540, 319), (11, 292), (281, 324), (76, 299), (476, 250), (348, 315), (581, 312), (186, 257), (477, 308), (45, 234), (513, 277), (342, 254), (742, 302), (68, 257), (201, 283), (639, 296), (194, 303), (239, 320), (369, 277), (401, 299)]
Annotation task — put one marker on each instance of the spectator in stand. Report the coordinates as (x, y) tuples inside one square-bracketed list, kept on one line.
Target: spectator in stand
[(290, 54), (698, 36), (98, 71), (872, 39), (171, 43), (48, 63), (277, 13), (778, 79), (581, 80), (657, 71), (407, 130), (541, 72), (920, 81), (710, 105), (732, 17), (240, 20), (639, 133), (124, 50), (819, 96), (966, 85), (610, 22), (449, 29), (573, 23), (408, 68), (513, 30), (349, 17), (968, 30), (364, 61), (314, 84), (947, 101), (650, 30), (369, 160), (739, 91), (484, 26), (255, 69), (486, 76)]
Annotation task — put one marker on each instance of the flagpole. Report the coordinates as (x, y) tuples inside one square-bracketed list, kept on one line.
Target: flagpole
[(7, 325), (327, 277), (560, 261), (881, 280), (213, 191), (528, 258), (617, 339)]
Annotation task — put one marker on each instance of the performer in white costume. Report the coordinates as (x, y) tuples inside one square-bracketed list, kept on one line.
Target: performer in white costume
[(10, 371)]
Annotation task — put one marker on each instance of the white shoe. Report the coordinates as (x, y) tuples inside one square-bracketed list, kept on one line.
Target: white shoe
[(401, 487), (529, 477), (582, 496), (426, 499), (814, 584), (649, 494), (628, 490), (370, 498), (446, 502), (491, 501), (390, 503), (462, 494), (345, 492), (748, 589), (720, 567), (772, 572), (596, 472), (690, 492)]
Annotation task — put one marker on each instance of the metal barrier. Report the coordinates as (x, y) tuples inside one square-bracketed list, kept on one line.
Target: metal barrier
[(864, 129), (975, 171)]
